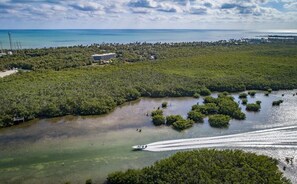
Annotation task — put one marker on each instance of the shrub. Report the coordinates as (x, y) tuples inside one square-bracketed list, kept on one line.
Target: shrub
[(258, 102), (226, 93), (227, 106), (209, 99), (196, 95), (269, 90), (219, 120), (183, 124), (172, 119), (209, 108), (205, 92), (253, 107), (205, 166), (252, 93), (130, 176), (277, 103), (239, 115), (244, 101), (164, 105), (89, 181), (243, 95), (199, 108), (158, 120), (266, 94), (196, 116), (157, 112)]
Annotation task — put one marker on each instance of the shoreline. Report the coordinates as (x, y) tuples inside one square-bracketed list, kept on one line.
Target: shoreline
[(152, 36), (131, 102)]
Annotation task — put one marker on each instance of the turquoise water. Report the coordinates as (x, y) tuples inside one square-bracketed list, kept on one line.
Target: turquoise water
[(54, 38)]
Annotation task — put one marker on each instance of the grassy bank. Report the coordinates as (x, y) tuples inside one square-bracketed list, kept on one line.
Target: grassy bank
[(181, 70)]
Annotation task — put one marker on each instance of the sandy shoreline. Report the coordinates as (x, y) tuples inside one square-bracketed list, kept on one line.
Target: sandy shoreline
[(7, 73)]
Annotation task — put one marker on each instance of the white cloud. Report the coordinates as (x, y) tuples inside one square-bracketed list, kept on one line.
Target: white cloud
[(152, 12)]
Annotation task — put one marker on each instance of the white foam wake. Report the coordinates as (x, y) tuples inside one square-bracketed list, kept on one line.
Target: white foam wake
[(283, 137)]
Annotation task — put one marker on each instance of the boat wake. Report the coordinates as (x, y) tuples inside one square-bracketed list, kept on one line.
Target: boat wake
[(283, 137)]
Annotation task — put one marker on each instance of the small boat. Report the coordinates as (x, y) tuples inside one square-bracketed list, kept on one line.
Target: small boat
[(139, 147)]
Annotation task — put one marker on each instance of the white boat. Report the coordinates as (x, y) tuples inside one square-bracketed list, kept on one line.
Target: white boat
[(139, 147)]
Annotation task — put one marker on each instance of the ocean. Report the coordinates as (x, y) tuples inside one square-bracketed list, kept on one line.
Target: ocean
[(70, 37)]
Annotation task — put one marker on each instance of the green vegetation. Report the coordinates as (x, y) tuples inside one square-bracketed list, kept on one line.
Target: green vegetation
[(221, 105), (252, 93), (224, 107), (239, 115), (277, 103), (211, 108), (209, 99), (178, 122), (258, 102), (62, 85), (157, 112), (205, 92), (224, 94), (89, 181), (205, 166), (243, 95), (219, 120), (269, 90), (196, 95), (196, 116), (244, 101), (183, 124), (227, 106), (158, 120), (253, 107), (164, 105), (172, 119)]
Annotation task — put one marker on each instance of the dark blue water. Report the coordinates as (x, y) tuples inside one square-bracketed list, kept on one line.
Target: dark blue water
[(70, 37)]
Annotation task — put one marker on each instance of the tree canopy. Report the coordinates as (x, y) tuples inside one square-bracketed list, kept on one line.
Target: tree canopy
[(205, 166), (59, 85)]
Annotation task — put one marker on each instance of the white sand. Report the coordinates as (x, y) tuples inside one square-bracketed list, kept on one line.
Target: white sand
[(7, 73)]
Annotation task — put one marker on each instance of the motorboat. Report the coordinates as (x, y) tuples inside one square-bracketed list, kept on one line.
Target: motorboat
[(139, 147)]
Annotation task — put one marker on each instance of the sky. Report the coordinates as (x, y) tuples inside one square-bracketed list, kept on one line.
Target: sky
[(148, 14)]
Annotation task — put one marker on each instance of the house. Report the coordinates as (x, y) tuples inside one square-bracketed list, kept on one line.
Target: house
[(2, 54), (103, 58)]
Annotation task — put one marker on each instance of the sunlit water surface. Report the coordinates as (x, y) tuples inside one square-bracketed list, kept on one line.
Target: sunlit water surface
[(78, 148)]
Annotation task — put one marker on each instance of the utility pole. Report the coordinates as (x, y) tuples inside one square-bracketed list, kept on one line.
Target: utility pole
[(1, 46), (10, 42)]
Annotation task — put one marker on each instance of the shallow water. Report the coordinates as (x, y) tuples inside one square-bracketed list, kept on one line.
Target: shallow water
[(78, 148)]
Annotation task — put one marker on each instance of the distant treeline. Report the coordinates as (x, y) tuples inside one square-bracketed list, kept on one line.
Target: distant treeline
[(183, 69), (76, 56)]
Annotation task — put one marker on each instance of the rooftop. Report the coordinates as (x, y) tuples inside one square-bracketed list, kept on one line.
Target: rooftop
[(107, 54)]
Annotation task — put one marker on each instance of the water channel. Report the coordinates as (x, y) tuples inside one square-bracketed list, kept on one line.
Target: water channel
[(75, 148)]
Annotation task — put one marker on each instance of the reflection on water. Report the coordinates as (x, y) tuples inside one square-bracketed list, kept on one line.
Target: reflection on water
[(78, 148)]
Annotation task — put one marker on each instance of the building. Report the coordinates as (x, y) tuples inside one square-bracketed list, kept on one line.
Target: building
[(103, 58), (2, 54)]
